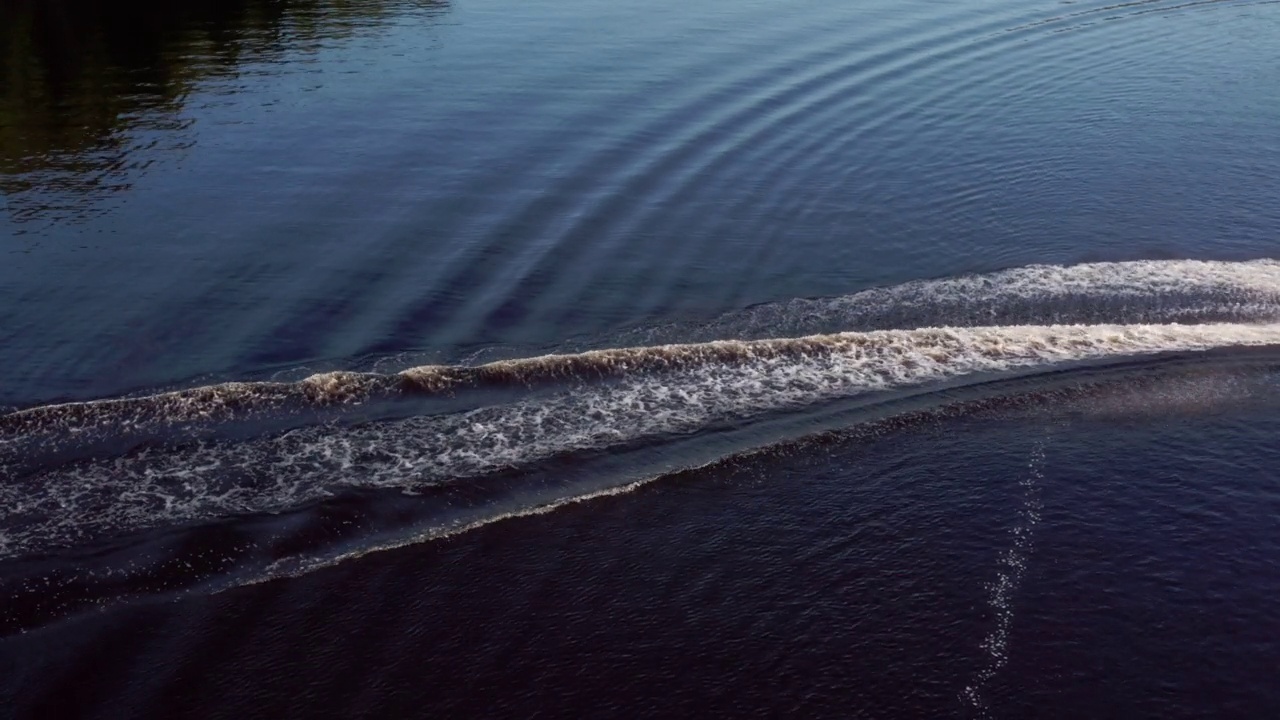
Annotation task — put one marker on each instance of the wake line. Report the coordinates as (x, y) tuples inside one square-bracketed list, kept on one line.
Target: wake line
[(702, 386), (1141, 292), (894, 356), (1138, 292), (882, 358)]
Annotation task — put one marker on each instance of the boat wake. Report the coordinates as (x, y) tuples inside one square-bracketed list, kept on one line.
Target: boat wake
[(82, 474)]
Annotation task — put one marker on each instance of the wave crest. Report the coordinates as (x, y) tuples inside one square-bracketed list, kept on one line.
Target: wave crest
[(94, 468)]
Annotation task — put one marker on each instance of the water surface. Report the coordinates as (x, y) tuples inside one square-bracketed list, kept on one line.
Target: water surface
[(821, 358)]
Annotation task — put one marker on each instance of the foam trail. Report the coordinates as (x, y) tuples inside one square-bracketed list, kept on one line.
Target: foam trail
[(1012, 568), (1142, 292), (1137, 292), (658, 392)]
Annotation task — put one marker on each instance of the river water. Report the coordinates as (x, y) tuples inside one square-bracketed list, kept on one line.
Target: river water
[(584, 358)]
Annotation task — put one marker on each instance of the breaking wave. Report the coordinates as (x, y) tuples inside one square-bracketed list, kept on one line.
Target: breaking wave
[(81, 471), (1141, 292)]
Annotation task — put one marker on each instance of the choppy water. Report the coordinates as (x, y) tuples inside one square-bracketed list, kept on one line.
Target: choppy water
[(819, 358)]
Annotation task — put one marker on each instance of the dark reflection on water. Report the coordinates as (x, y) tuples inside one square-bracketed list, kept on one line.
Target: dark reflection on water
[(92, 93)]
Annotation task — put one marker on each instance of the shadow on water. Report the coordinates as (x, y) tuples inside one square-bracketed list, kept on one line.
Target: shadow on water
[(92, 93)]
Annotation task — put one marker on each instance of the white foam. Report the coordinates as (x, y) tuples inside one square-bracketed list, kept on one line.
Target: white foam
[(740, 380), (1011, 568), (1251, 282), (1145, 291), (1140, 292)]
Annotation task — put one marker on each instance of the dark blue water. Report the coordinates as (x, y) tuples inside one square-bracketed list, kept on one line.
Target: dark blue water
[(582, 358)]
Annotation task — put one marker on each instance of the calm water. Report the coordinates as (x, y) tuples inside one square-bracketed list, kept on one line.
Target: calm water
[(585, 358)]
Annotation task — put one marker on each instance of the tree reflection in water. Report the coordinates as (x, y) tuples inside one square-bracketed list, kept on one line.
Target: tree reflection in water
[(93, 92)]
